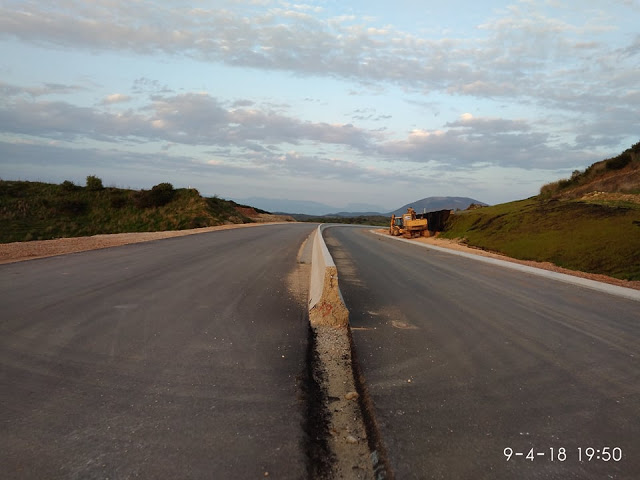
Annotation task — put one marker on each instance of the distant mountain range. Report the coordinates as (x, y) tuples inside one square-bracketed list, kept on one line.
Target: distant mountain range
[(428, 204), (432, 204)]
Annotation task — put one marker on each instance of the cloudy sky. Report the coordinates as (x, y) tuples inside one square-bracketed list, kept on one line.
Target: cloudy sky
[(371, 102)]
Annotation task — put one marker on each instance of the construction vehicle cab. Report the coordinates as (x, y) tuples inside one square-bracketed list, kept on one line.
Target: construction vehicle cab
[(396, 226)]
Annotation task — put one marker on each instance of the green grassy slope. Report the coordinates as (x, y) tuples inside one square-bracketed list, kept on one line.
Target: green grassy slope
[(40, 211), (572, 223), (582, 236)]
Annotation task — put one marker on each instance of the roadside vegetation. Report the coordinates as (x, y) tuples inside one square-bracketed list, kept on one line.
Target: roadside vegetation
[(42, 211), (590, 222), (620, 174)]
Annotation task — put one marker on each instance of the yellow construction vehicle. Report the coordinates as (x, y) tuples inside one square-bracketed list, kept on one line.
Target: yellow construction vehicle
[(408, 225)]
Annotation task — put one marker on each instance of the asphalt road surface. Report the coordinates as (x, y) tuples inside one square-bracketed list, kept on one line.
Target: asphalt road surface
[(463, 360), (178, 358)]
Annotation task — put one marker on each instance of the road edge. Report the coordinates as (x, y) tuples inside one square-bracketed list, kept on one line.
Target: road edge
[(37, 249), (628, 293)]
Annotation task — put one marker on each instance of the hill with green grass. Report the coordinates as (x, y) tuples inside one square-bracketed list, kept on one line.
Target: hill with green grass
[(589, 222), (42, 211)]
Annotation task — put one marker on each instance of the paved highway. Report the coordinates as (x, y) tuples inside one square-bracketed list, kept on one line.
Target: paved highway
[(178, 358), (464, 359)]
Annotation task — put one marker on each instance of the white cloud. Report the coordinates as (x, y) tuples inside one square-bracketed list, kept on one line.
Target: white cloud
[(115, 98), (191, 119), (9, 90), (251, 133), (471, 143), (522, 52)]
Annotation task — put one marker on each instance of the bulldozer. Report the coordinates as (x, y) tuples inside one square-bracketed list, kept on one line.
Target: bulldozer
[(408, 225)]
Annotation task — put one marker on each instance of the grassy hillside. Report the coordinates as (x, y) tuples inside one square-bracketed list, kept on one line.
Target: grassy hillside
[(40, 211), (572, 224), (620, 174)]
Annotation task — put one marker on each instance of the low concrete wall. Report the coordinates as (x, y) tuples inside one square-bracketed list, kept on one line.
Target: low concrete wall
[(326, 306)]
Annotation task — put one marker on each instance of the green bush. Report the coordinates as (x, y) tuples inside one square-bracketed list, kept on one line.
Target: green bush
[(619, 162), (69, 186), (158, 196), (162, 194), (549, 189), (564, 183), (94, 183)]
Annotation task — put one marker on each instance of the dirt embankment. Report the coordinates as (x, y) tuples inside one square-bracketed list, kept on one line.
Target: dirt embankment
[(613, 197), (251, 213), (18, 251), (457, 245)]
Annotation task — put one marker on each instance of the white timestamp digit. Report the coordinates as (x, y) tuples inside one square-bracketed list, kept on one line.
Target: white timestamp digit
[(508, 452), (560, 455), (606, 454)]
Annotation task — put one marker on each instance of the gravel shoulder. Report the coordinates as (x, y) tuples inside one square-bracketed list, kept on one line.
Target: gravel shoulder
[(456, 245), (19, 251)]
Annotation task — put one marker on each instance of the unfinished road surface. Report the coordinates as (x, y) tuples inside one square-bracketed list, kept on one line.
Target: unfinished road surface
[(463, 360), (177, 358)]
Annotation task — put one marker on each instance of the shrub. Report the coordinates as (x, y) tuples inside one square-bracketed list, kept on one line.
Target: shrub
[(94, 183), (162, 194), (564, 183), (69, 186), (619, 162), (549, 189), (158, 196)]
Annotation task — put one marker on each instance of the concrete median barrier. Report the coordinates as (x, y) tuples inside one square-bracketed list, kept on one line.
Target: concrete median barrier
[(354, 443), (326, 306)]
